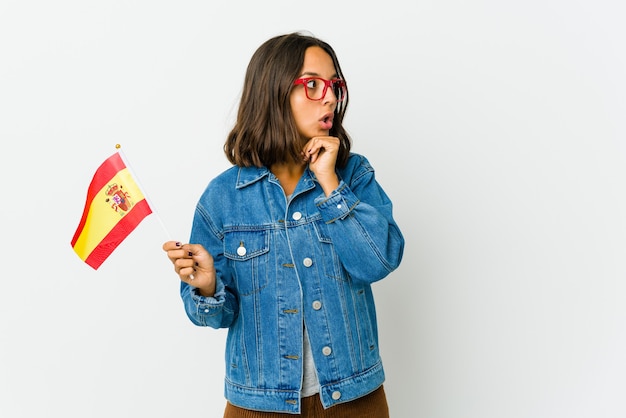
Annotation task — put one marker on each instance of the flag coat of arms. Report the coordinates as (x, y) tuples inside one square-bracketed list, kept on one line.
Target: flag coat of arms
[(114, 207)]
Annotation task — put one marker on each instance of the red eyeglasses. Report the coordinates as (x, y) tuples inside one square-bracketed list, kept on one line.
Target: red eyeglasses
[(315, 87)]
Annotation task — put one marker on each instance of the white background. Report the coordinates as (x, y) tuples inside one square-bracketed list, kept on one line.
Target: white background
[(496, 127)]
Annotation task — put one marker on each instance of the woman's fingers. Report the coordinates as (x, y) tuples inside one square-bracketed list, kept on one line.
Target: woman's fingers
[(193, 264)]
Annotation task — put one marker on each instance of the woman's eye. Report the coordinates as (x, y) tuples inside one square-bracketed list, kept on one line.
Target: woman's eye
[(311, 84)]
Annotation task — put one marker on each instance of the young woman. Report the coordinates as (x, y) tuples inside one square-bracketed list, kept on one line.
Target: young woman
[(286, 244)]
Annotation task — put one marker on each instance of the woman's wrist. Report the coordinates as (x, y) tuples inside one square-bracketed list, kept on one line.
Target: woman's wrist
[(328, 183)]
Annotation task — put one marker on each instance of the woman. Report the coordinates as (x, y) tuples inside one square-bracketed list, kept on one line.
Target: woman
[(286, 243)]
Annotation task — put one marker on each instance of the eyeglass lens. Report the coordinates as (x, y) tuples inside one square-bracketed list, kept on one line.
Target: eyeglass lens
[(316, 87)]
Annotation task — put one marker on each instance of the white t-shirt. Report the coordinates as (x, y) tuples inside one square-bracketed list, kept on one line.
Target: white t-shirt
[(310, 383)]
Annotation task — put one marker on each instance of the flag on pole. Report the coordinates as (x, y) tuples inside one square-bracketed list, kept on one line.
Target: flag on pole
[(115, 206)]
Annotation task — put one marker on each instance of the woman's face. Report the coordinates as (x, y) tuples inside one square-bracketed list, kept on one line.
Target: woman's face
[(314, 117)]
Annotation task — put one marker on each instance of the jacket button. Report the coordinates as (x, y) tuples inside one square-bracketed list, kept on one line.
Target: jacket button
[(326, 351), (296, 216), (317, 305), (336, 395), (307, 262), (241, 251)]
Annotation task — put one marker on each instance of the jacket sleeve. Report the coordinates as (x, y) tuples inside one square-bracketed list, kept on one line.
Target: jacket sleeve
[(361, 225), (220, 310)]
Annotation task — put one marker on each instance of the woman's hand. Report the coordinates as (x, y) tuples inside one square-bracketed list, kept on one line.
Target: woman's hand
[(321, 154), (193, 264)]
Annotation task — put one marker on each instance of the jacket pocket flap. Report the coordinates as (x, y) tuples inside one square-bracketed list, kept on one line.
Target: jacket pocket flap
[(244, 245)]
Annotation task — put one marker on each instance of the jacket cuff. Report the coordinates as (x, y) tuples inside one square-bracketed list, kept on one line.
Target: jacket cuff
[(338, 205), (215, 301)]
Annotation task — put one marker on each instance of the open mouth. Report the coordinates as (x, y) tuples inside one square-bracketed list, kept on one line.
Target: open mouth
[(327, 121)]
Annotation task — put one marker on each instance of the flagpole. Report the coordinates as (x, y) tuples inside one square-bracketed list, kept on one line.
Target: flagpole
[(145, 195)]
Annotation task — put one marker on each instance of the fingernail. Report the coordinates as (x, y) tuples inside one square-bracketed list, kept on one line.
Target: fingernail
[(178, 244), (196, 263), (190, 253)]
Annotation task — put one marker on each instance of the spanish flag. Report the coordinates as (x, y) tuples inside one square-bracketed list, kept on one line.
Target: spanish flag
[(114, 208)]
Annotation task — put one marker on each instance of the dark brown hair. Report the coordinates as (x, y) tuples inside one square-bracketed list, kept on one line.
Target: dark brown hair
[(265, 131)]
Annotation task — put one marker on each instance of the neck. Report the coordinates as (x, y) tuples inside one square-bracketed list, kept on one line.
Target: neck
[(288, 174)]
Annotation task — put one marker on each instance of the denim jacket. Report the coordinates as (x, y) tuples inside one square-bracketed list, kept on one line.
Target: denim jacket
[(285, 266)]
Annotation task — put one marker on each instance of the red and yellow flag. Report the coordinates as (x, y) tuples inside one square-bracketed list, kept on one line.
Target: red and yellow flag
[(114, 208)]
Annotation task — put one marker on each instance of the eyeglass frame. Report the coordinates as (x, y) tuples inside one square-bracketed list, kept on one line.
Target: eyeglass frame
[(327, 83)]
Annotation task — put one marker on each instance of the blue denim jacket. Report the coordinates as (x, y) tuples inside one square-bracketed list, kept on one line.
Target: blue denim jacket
[(285, 266)]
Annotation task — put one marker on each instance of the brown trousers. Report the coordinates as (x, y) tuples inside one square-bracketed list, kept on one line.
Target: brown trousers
[(373, 405)]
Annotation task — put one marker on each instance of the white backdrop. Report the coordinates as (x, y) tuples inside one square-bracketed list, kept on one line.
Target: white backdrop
[(497, 128)]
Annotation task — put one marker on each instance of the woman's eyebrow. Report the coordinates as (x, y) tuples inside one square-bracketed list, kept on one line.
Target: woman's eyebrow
[(314, 74)]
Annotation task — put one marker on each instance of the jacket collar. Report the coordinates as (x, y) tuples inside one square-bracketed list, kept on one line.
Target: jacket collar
[(250, 175)]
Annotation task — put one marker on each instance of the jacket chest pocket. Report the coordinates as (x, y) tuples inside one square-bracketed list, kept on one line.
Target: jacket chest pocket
[(247, 252)]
